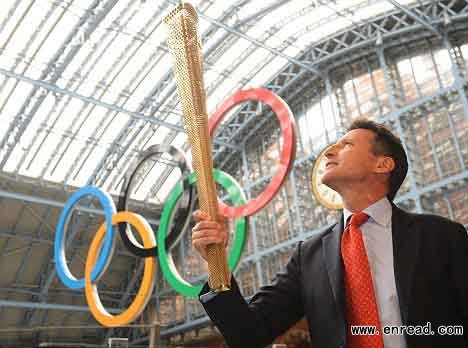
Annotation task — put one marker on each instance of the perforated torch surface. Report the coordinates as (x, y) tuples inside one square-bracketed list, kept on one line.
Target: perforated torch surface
[(188, 71)]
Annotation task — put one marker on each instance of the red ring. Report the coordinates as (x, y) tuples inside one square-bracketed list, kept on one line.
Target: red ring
[(288, 153)]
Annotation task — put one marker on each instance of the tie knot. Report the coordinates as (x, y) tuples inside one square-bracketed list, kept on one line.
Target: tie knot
[(358, 219)]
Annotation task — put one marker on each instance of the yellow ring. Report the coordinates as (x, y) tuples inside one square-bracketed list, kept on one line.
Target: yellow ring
[(315, 183), (146, 288)]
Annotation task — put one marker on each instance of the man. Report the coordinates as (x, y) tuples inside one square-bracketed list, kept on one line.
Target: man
[(387, 268)]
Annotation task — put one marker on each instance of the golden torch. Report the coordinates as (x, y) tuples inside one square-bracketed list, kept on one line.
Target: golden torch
[(185, 48)]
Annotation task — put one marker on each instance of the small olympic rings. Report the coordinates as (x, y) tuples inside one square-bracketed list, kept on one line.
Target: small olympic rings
[(107, 250), (288, 152), (181, 219)]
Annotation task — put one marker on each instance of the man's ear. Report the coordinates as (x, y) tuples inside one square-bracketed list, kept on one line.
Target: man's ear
[(385, 165)]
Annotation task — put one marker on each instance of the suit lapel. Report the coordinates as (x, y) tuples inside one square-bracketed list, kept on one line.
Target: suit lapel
[(334, 265), (405, 254)]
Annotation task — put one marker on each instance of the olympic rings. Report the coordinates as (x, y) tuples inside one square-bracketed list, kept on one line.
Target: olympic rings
[(102, 245), (181, 219), (165, 258), (97, 248), (107, 250), (147, 283), (288, 153)]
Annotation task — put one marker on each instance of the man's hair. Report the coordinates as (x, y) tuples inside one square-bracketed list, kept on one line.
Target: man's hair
[(388, 144)]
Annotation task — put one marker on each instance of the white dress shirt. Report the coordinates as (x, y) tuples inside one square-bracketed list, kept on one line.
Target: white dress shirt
[(377, 236)]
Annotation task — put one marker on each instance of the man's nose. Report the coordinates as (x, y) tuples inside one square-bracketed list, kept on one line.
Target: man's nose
[(331, 151)]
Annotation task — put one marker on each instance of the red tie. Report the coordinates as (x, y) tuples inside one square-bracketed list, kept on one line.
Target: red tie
[(361, 306)]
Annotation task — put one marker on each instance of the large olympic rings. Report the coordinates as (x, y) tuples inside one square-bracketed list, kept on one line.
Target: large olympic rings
[(181, 219), (288, 153), (102, 246), (98, 249)]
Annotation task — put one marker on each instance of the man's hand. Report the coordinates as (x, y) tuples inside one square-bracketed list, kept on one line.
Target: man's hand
[(206, 232)]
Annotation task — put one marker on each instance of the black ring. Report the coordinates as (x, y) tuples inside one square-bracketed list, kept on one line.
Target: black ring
[(181, 218)]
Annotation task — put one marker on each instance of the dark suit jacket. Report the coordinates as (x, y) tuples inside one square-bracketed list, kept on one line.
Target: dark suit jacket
[(431, 273)]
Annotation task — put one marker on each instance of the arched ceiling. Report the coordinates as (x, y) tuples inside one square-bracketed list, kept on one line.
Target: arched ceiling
[(87, 85)]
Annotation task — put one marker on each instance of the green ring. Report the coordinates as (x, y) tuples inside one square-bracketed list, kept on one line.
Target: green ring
[(165, 259)]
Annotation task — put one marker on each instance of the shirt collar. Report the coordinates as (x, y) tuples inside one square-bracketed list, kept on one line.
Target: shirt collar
[(380, 212)]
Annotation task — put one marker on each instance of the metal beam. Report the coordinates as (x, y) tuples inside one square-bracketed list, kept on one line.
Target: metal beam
[(263, 12), (57, 204), (457, 71), (3, 252), (70, 327), (25, 257), (53, 88), (177, 329), (50, 306), (416, 17), (46, 278), (82, 73), (53, 71), (252, 224), (33, 240), (262, 45), (136, 115), (130, 286), (8, 17), (440, 185)]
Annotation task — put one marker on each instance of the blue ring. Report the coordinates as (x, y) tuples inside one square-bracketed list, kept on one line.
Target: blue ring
[(107, 249)]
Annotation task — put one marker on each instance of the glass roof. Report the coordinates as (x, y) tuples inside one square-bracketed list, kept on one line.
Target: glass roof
[(87, 85)]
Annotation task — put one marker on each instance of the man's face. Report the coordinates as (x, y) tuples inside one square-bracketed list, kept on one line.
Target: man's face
[(351, 159)]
